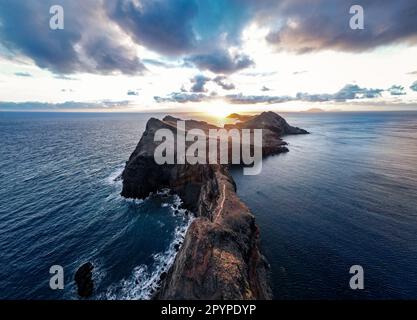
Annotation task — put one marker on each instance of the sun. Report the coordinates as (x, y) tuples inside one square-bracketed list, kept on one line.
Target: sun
[(218, 110)]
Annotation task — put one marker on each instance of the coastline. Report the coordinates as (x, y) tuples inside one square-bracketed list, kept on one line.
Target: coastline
[(220, 257)]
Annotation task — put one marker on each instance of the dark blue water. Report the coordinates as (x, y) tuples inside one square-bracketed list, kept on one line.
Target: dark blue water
[(61, 206), (344, 195)]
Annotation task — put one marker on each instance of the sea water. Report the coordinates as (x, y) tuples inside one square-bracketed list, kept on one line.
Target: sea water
[(344, 195)]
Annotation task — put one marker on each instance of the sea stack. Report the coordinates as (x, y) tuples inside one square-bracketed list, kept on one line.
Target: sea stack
[(84, 280)]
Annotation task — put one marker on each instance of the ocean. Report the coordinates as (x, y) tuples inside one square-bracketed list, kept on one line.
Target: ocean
[(344, 195)]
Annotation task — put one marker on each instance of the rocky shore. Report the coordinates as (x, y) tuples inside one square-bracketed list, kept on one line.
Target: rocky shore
[(220, 257)]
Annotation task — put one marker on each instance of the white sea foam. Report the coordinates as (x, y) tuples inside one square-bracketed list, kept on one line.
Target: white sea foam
[(163, 192), (145, 281), (115, 178), (176, 207), (132, 201)]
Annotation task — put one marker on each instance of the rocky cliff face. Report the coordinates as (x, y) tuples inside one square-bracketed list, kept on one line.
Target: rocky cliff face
[(270, 121), (220, 257)]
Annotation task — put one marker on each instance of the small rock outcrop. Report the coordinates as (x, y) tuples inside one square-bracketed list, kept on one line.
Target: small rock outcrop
[(220, 257), (240, 117), (84, 280), (270, 122)]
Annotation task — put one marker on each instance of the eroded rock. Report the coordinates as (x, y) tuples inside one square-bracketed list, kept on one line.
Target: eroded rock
[(220, 256), (84, 280)]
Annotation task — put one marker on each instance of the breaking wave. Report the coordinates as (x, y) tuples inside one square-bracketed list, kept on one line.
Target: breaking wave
[(145, 280)]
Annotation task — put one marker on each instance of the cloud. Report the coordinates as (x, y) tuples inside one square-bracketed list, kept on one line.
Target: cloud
[(254, 99), (162, 26), (223, 83), (353, 91), (414, 86), (221, 62), (412, 72), (64, 77), (23, 74), (259, 74), (299, 72), (199, 83), (132, 92), (396, 90), (88, 43), (181, 97), (102, 36), (264, 88), (69, 105), (110, 57), (159, 63), (200, 32), (348, 92), (324, 24)]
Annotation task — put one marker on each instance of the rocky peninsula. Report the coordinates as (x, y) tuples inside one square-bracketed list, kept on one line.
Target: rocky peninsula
[(220, 257)]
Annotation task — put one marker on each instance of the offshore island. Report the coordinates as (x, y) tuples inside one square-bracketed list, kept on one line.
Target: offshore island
[(220, 256)]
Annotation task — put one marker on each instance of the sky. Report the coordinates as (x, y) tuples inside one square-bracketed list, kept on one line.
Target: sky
[(217, 56)]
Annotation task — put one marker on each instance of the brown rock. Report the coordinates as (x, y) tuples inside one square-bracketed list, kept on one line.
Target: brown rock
[(220, 256)]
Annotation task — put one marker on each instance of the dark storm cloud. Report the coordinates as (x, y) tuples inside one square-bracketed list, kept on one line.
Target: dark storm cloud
[(221, 62), (199, 83), (324, 24), (23, 74), (110, 56), (162, 26), (86, 44), (90, 41), (200, 32)]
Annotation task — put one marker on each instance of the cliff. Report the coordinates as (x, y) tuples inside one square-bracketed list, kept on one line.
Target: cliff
[(220, 256)]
